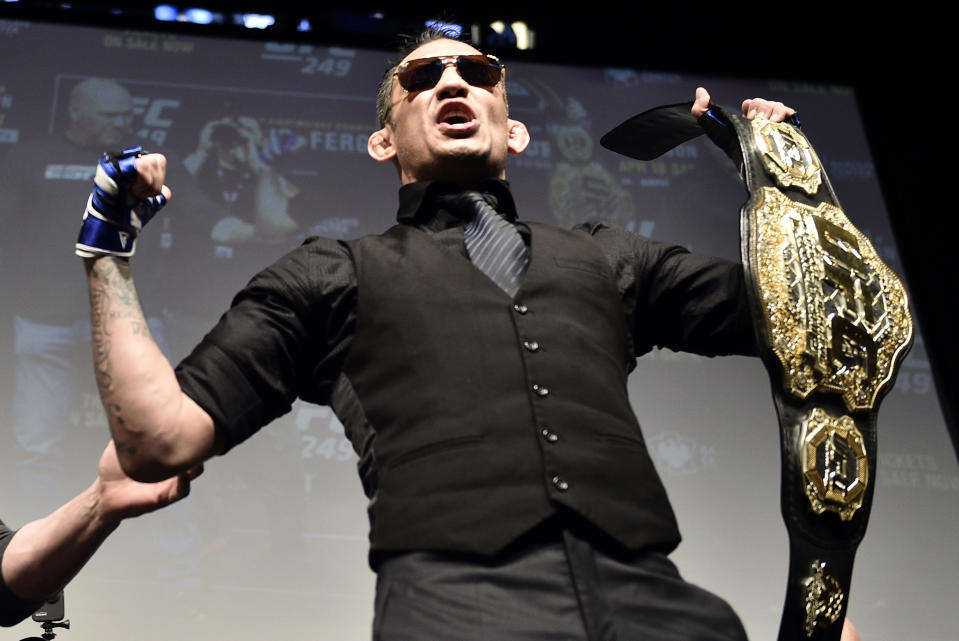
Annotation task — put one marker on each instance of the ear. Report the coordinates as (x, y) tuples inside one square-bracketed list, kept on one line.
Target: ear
[(517, 138), (380, 145)]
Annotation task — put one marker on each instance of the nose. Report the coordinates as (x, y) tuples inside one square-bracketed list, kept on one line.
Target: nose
[(451, 83)]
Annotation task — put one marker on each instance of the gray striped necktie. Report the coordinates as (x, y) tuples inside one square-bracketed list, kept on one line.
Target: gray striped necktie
[(493, 244)]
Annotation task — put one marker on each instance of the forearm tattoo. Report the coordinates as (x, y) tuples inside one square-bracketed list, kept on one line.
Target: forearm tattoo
[(113, 300)]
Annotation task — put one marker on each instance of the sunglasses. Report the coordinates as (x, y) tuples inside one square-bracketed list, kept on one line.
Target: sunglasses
[(423, 73)]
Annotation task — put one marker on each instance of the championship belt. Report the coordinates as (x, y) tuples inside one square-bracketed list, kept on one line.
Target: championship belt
[(832, 325)]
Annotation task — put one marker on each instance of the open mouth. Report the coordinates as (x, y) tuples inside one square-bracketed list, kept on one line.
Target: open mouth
[(456, 116)]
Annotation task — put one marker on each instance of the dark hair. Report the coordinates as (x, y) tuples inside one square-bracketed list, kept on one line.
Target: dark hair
[(226, 135), (408, 44)]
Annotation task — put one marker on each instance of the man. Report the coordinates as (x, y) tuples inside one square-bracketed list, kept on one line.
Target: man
[(511, 494), (37, 561), (228, 165), (101, 113)]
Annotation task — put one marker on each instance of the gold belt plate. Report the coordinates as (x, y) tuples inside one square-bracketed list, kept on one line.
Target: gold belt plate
[(837, 317)]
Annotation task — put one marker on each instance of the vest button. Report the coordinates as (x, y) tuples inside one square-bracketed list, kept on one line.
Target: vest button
[(520, 309), (560, 483), (549, 435), (531, 346), (541, 390)]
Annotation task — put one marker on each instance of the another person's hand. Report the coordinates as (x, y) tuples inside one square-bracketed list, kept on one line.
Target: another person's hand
[(752, 108), (121, 497), (44, 555)]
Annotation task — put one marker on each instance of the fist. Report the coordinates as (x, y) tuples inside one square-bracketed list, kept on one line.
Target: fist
[(128, 191), (151, 175)]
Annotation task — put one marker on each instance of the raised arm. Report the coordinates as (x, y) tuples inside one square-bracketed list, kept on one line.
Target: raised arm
[(158, 430), (44, 555)]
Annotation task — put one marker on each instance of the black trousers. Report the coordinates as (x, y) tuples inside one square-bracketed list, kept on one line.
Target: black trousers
[(565, 589)]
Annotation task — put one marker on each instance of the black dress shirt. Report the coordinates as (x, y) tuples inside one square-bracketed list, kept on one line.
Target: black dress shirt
[(289, 331)]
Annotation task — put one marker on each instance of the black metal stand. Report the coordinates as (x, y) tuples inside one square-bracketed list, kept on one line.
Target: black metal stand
[(48, 633)]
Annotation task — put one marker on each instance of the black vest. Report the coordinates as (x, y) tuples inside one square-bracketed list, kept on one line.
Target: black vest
[(486, 413)]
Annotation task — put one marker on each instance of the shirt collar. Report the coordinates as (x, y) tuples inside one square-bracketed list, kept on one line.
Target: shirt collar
[(417, 201)]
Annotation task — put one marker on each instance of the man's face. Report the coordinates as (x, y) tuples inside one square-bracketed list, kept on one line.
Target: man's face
[(103, 115), (454, 131)]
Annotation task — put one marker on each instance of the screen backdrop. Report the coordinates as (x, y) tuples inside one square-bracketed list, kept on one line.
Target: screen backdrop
[(267, 145)]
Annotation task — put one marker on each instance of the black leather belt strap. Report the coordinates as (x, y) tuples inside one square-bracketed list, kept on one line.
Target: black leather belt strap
[(832, 326)]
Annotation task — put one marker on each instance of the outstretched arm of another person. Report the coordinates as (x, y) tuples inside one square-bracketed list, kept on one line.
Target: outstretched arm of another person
[(158, 430), (44, 555)]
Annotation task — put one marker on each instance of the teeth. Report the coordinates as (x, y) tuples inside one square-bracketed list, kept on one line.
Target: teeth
[(457, 117)]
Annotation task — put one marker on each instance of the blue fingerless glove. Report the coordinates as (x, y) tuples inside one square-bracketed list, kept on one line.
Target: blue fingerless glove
[(113, 217)]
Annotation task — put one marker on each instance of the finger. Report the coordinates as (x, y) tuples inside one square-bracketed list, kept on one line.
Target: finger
[(183, 486), (761, 108), (769, 109), (249, 124), (155, 496), (151, 172), (150, 163), (781, 112), (701, 103), (194, 472), (756, 108), (166, 192)]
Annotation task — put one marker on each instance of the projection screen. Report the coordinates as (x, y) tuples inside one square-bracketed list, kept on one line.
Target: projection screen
[(272, 543)]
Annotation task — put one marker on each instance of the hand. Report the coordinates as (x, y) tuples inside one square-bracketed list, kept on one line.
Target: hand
[(752, 108), (231, 230), (128, 191), (121, 497), (238, 142), (701, 103), (249, 130), (151, 174), (206, 134), (760, 108)]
